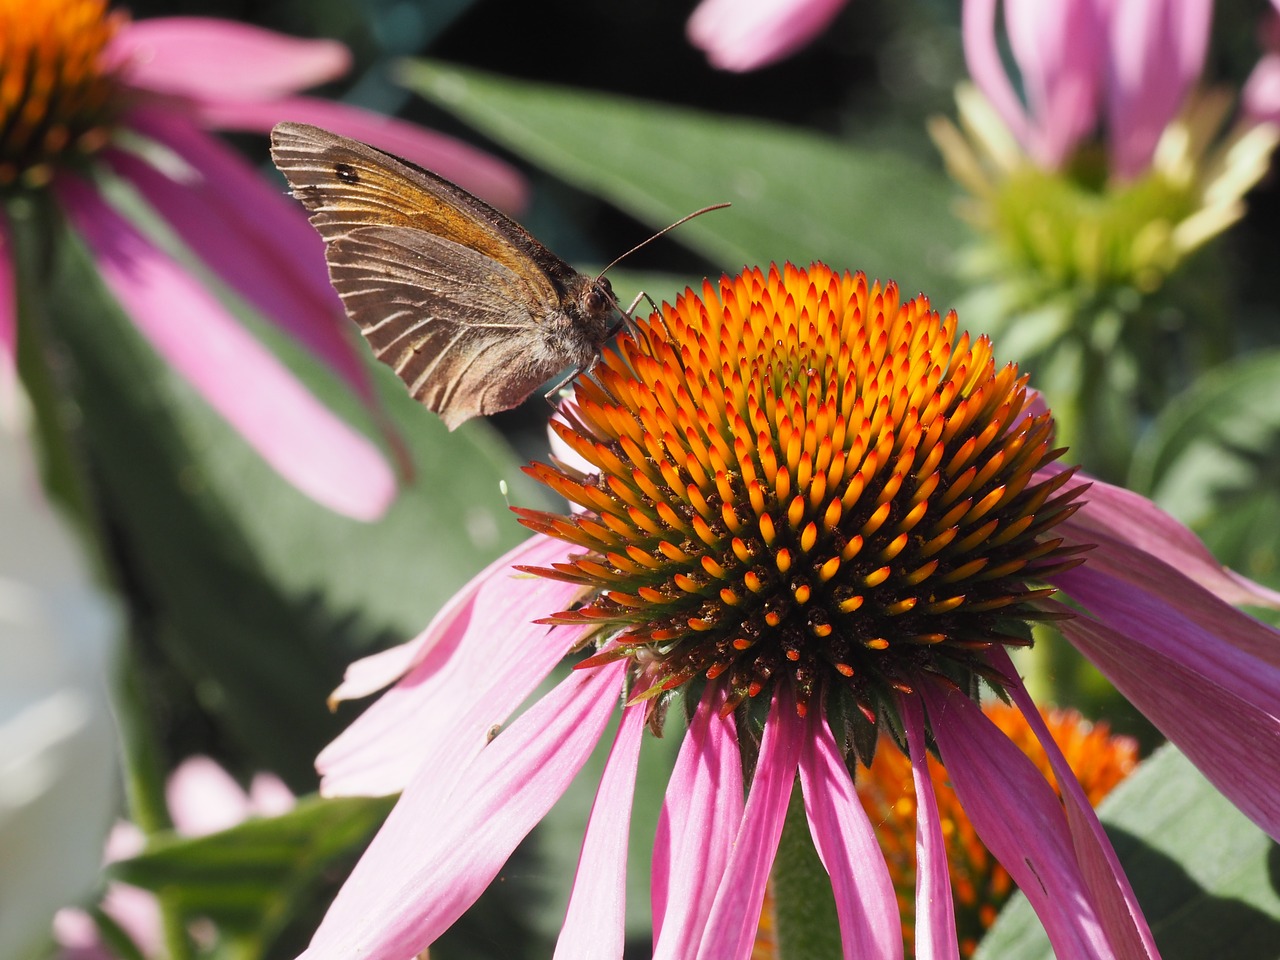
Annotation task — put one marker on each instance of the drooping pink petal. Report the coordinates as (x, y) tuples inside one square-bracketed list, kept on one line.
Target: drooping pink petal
[(1118, 571), (8, 329), (221, 59), (1140, 542), (700, 817), (595, 923), (254, 237), (1219, 705), (743, 35), (1118, 908), (295, 433), (1058, 45), (1019, 818), (735, 915), (982, 56), (203, 798), (441, 846), (376, 671), (482, 651), (474, 170), (870, 924), (1156, 51), (936, 937)]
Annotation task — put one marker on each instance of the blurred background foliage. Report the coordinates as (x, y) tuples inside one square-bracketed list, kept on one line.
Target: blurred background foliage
[(247, 600)]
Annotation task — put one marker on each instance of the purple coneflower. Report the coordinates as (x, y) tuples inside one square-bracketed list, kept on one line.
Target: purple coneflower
[(1081, 59), (88, 98), (810, 513)]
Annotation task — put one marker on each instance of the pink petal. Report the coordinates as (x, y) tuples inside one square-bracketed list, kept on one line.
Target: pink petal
[(480, 658), (473, 170), (1260, 99), (1058, 45), (260, 244), (378, 670), (442, 845), (203, 798), (743, 35), (138, 913), (1219, 705), (936, 937), (982, 56), (237, 376), (870, 924), (204, 57), (1118, 908), (735, 916), (595, 924), (1141, 544), (8, 329), (1019, 818), (125, 840), (269, 797), (700, 817), (1156, 52)]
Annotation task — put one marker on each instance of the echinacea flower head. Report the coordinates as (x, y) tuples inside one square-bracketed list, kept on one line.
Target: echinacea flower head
[(830, 490), (1116, 167), (811, 512), (93, 107), (57, 96)]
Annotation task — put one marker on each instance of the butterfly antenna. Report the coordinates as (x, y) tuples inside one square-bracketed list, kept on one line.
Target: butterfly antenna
[(667, 229)]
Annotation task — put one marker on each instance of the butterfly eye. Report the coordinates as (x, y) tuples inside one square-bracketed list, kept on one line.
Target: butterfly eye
[(599, 297)]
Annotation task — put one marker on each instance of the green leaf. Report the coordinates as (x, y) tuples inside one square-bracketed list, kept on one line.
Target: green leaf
[(796, 196), (1212, 459), (1203, 873), (251, 878)]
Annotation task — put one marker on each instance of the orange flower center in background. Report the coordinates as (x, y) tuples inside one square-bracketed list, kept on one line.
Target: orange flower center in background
[(56, 96), (797, 474), (980, 885)]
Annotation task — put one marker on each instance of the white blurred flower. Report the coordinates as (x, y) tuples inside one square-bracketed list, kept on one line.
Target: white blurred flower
[(58, 757)]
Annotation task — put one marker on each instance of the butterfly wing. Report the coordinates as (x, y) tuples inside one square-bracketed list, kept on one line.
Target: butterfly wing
[(447, 289), (455, 325)]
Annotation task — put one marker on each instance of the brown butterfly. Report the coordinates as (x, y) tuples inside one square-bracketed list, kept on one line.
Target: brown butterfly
[(469, 310)]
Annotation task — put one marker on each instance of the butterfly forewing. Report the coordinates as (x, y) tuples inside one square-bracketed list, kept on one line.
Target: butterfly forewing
[(346, 184), (469, 309)]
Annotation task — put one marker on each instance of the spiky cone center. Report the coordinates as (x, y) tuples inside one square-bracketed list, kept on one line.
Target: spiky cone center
[(58, 96), (797, 474), (979, 884)]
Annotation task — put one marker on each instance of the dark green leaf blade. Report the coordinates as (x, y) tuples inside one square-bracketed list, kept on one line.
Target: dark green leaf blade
[(796, 196)]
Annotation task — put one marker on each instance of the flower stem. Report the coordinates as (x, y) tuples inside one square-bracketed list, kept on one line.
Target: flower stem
[(807, 926)]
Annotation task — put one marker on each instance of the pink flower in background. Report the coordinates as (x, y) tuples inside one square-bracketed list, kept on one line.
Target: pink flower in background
[(134, 99), (202, 799), (796, 530), (743, 35), (1089, 63), (1261, 96)]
